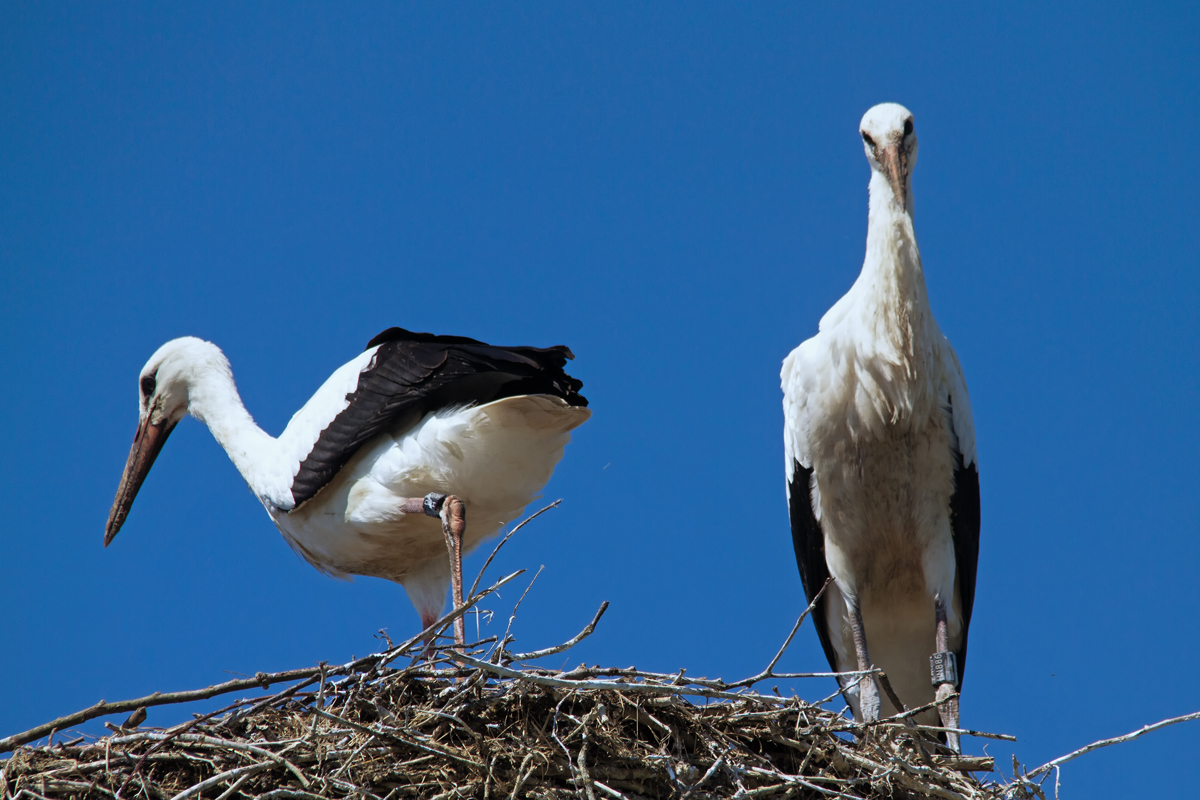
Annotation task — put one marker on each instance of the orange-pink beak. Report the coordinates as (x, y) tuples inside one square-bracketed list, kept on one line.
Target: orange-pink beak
[(147, 443), (895, 164)]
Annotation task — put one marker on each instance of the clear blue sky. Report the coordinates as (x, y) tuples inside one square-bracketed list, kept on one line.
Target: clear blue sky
[(676, 192)]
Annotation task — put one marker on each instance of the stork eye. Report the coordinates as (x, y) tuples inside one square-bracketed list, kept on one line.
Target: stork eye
[(148, 384), (908, 128), (868, 140)]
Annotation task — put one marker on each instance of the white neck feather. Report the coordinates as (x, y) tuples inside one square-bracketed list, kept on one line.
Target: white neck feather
[(213, 399), (885, 319), (894, 303)]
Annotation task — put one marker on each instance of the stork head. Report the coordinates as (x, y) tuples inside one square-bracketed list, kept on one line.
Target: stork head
[(164, 386), (891, 146)]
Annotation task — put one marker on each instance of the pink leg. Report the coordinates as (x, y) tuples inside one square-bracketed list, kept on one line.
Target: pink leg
[(454, 525), (452, 512), (868, 692), (944, 667)]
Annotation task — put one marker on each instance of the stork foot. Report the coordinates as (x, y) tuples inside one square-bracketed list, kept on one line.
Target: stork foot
[(868, 698), (948, 711), (943, 668), (868, 691)]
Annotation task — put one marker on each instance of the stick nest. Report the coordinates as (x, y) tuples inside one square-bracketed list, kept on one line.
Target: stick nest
[(476, 723), (467, 732)]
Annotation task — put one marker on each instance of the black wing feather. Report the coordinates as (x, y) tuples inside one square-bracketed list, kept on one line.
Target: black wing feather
[(413, 374), (809, 543), (964, 525)]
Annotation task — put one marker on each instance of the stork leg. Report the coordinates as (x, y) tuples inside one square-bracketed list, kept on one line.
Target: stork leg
[(943, 667), (868, 692), (454, 524), (451, 510)]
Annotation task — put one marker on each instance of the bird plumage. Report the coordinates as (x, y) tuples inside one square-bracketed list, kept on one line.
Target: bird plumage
[(881, 468), (411, 374), (413, 414)]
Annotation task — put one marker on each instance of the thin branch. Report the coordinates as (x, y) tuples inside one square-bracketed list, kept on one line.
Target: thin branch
[(233, 788), (103, 709), (508, 536), (499, 651), (579, 637), (242, 773), (438, 627), (640, 688), (678, 679), (1003, 737), (1129, 737), (767, 673)]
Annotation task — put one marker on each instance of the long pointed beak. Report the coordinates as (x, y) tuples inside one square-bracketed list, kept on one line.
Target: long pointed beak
[(147, 443), (895, 163)]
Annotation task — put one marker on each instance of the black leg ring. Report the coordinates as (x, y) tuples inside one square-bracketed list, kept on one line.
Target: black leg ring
[(943, 668), (433, 503)]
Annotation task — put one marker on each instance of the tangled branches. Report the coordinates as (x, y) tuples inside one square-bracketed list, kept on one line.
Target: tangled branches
[(481, 723), (435, 729)]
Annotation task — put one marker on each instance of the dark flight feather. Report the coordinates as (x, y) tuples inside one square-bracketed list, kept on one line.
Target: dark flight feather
[(413, 374), (809, 544), (964, 526)]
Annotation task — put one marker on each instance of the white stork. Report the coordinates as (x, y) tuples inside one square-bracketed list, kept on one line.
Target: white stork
[(882, 478), (416, 426)]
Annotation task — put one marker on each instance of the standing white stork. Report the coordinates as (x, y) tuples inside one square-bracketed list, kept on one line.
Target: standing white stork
[(416, 426), (883, 484)]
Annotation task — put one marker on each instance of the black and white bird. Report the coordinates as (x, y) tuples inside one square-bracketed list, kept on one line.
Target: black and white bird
[(882, 477), (374, 475)]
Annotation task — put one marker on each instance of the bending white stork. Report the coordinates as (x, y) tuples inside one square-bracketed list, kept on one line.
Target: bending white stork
[(883, 483), (417, 426)]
